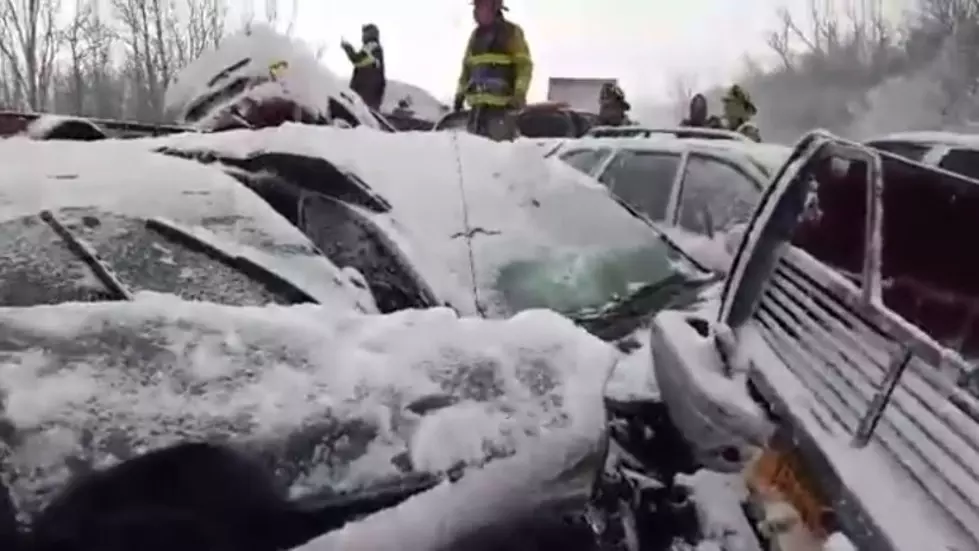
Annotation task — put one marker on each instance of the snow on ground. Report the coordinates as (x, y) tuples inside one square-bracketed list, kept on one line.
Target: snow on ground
[(117, 178), (322, 391)]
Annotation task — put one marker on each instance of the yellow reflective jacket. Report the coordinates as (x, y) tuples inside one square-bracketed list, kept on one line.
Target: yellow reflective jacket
[(497, 67)]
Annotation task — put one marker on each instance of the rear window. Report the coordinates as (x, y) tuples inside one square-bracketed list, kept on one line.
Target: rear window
[(88, 255)]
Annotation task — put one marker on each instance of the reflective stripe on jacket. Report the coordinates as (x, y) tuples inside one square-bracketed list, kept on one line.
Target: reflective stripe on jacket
[(497, 66), (368, 78)]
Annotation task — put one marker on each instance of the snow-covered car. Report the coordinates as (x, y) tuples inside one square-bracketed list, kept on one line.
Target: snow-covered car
[(952, 151), (448, 218), (536, 120), (146, 222), (844, 346), (260, 77), (160, 301), (42, 126), (691, 187)]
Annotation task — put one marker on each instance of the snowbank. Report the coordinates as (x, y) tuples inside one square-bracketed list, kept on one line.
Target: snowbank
[(322, 392), (117, 177)]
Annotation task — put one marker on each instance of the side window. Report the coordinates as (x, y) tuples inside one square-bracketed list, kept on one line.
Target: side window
[(962, 161), (644, 180), (585, 160), (718, 189)]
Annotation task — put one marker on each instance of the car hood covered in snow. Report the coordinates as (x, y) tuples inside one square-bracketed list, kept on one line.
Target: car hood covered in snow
[(322, 393), (493, 227), (114, 177)]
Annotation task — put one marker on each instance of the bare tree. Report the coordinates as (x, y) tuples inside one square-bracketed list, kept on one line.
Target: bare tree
[(161, 37), (29, 42)]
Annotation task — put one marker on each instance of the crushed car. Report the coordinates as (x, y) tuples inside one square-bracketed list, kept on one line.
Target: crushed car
[(837, 370), (951, 151), (536, 120), (259, 77), (487, 228), (691, 187), (146, 310), (637, 131)]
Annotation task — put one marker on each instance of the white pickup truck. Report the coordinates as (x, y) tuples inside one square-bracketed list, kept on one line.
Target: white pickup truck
[(835, 371)]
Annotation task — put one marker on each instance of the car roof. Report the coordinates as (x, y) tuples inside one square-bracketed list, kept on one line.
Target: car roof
[(677, 132), (122, 178), (968, 141), (767, 156)]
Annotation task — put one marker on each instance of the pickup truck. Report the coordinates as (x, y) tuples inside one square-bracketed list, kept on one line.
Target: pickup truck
[(835, 373)]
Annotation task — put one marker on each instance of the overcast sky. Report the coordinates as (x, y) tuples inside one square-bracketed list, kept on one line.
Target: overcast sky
[(645, 43)]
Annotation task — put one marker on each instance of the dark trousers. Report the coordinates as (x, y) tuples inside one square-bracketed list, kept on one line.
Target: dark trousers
[(495, 123)]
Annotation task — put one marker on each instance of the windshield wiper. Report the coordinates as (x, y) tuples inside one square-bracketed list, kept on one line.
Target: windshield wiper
[(623, 315), (255, 271), (87, 254)]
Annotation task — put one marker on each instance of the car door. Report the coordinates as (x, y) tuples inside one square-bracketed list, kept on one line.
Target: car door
[(714, 195), (644, 180)]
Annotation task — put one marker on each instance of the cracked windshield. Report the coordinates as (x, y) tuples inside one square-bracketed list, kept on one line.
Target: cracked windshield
[(494, 275)]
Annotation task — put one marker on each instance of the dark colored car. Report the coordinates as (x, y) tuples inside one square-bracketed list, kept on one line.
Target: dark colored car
[(544, 120)]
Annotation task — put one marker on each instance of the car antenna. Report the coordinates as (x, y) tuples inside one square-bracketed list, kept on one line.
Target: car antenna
[(88, 255)]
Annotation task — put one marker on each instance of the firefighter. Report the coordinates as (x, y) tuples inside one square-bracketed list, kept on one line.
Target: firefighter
[(612, 106), (368, 79), (699, 116), (738, 111), (496, 72)]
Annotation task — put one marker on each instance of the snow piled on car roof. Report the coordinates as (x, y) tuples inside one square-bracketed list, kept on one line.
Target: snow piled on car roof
[(251, 53), (116, 177), (322, 393)]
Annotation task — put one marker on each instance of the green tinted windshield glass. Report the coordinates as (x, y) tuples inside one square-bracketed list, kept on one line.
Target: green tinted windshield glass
[(577, 281)]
